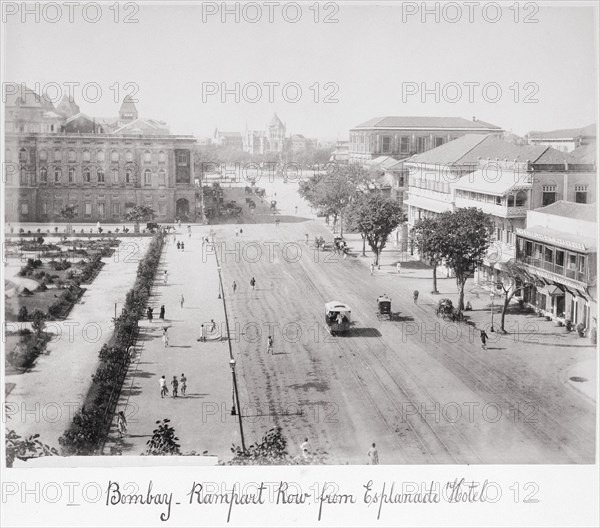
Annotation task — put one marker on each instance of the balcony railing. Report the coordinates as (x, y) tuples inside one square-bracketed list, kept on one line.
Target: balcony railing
[(555, 268)]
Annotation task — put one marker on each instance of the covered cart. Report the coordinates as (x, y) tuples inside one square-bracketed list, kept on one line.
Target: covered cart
[(384, 307), (337, 317)]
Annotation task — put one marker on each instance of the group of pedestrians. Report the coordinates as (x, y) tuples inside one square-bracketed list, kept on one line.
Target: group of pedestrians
[(180, 246), (177, 385)]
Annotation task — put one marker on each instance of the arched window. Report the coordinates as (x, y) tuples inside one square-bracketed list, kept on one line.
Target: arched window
[(100, 175), (147, 156), (162, 177), (511, 200), (115, 176), (128, 176), (43, 155), (71, 174), (87, 175), (521, 199), (73, 155), (100, 156), (129, 156), (57, 154), (57, 175), (162, 157), (86, 155), (114, 155), (22, 156), (44, 174), (147, 177)]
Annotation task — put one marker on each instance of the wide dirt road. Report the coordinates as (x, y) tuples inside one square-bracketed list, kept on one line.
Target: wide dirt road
[(425, 392)]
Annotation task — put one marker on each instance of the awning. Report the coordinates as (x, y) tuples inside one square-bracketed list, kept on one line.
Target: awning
[(551, 290), (436, 206), (495, 182)]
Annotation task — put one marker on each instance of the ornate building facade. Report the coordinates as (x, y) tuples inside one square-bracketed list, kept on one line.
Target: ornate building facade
[(103, 167)]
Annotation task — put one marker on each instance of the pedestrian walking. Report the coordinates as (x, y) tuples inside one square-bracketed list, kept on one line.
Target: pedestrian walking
[(165, 277), (484, 338), (372, 268), (179, 223), (149, 313), (182, 246), (202, 333), (161, 315), (306, 238), (183, 384), (373, 455), (178, 245), (253, 283), (166, 336), (213, 326), (277, 222), (415, 296), (398, 267), (305, 449), (163, 386), (181, 300), (296, 210), (237, 232), (175, 385), (269, 345), (241, 231), (121, 424), (234, 286)]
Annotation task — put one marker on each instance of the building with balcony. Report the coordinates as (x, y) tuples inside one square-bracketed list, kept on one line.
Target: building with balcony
[(564, 140), (404, 136), (558, 246), (102, 170)]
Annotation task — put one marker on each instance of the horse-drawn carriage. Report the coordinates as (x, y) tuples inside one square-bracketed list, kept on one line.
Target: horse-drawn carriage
[(384, 308), (337, 317), (446, 311)]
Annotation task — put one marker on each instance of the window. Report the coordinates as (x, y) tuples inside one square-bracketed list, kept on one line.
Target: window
[(421, 144), (100, 175), (43, 155), (439, 141), (44, 174), (572, 263), (87, 209), (115, 209), (499, 234), (162, 157), (71, 174), (560, 258), (44, 208), (162, 177), (147, 156), (498, 200), (548, 194), (57, 175), (386, 144), (72, 157), (100, 156), (520, 199), (127, 176), (511, 200), (548, 255), (581, 194), (115, 176), (181, 158), (57, 154), (129, 156), (581, 264), (25, 208), (101, 210), (87, 175), (404, 144), (538, 251), (147, 177), (86, 155), (22, 156), (114, 155)]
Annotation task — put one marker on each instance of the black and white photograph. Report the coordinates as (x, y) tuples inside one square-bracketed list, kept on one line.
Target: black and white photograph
[(253, 249)]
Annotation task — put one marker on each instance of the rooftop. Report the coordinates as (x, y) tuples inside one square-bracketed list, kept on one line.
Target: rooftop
[(577, 211), (494, 182), (453, 123), (564, 133)]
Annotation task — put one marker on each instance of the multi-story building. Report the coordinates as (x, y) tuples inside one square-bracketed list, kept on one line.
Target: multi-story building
[(404, 136), (559, 247), (565, 140), (233, 140), (102, 169), (341, 152)]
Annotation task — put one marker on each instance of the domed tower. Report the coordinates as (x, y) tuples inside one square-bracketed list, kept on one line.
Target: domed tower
[(128, 111)]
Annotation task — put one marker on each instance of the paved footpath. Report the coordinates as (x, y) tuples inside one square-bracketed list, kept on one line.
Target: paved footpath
[(202, 419), (44, 399)]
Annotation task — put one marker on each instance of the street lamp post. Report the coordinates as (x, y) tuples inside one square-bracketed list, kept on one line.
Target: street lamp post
[(492, 310), (237, 400)]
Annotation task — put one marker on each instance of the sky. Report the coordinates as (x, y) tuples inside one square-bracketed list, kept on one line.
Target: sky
[(368, 60)]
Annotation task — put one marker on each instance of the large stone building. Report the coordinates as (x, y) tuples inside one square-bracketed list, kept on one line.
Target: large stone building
[(59, 156), (404, 136), (274, 140), (565, 140)]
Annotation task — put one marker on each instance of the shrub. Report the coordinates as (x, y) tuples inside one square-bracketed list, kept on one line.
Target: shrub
[(23, 313)]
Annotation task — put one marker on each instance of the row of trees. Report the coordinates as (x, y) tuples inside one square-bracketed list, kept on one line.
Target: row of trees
[(137, 214)]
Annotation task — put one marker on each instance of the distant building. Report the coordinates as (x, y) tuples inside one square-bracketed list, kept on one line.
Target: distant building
[(274, 140), (404, 136), (565, 140), (102, 166), (228, 139), (341, 152), (559, 245)]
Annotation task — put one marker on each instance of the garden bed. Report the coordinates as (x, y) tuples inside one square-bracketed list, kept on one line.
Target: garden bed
[(22, 350)]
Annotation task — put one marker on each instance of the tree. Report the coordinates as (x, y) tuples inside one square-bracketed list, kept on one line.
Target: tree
[(425, 235), (375, 216), (38, 321), (140, 213), (464, 237), (163, 441), (68, 213), (514, 279), (25, 448)]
